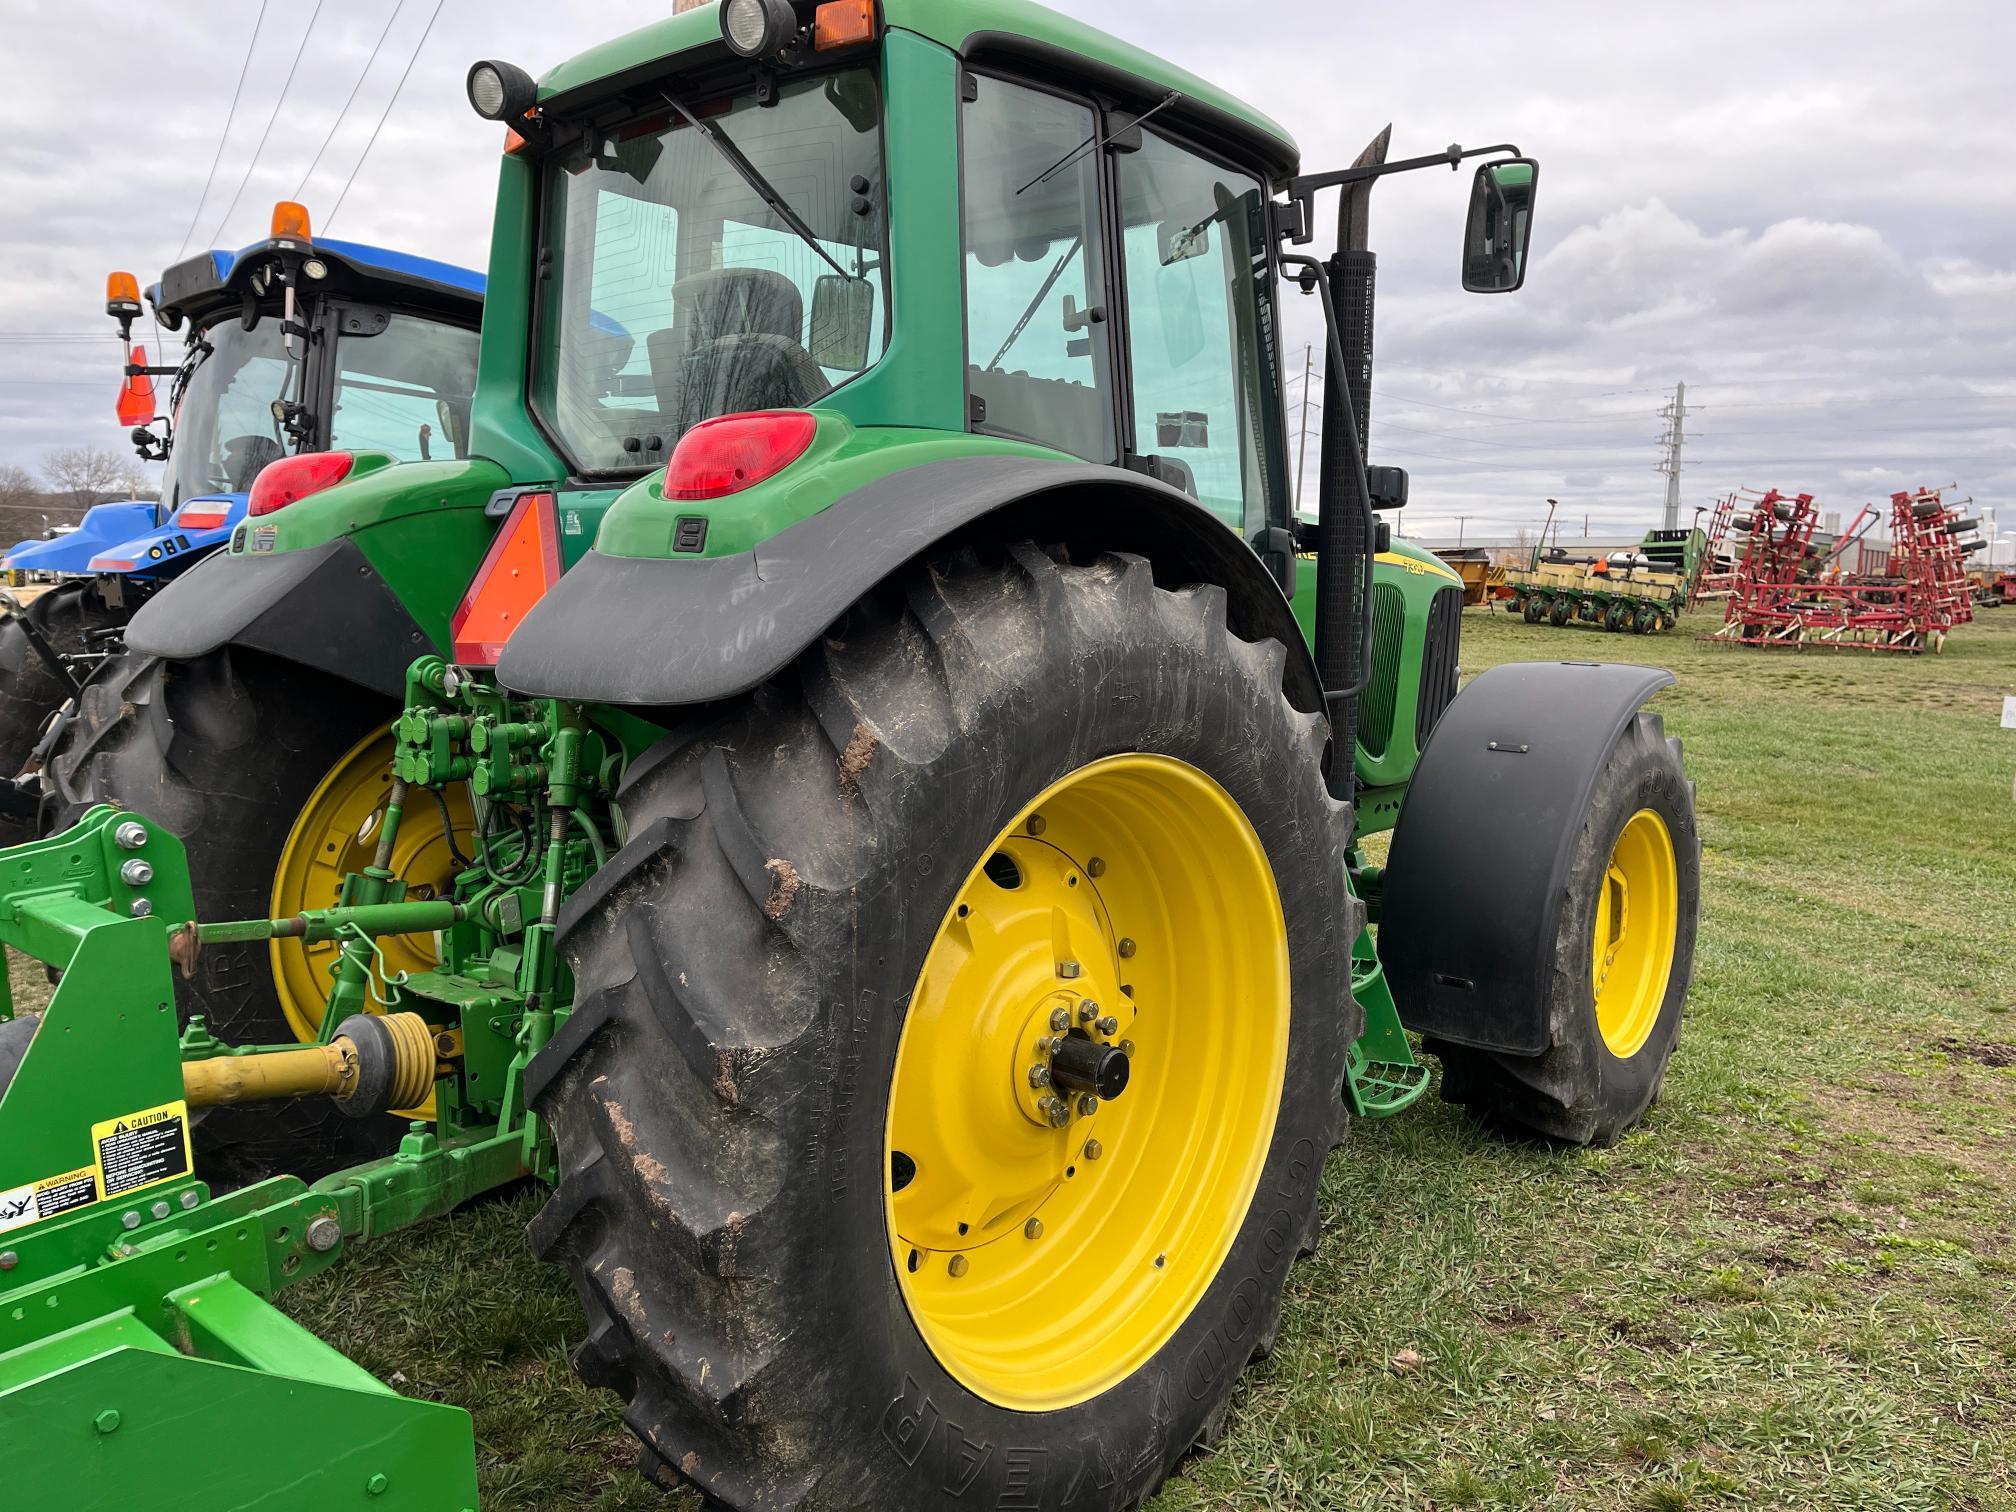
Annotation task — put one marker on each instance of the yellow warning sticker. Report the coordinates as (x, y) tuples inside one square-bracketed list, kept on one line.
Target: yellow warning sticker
[(142, 1149), (33, 1201)]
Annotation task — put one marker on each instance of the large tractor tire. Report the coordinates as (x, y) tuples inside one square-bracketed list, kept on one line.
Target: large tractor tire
[(957, 1044), (274, 778), (71, 619), (16, 1034), (1623, 959)]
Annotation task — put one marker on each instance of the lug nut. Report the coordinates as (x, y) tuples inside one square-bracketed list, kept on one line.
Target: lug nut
[(1095, 867), (1036, 825), (956, 1267), (1060, 1018), (130, 836), (1094, 1149), (1088, 1105), (1055, 1110), (1087, 1011), (1039, 1076), (1033, 1229), (323, 1234), (136, 873), (1126, 949), (1108, 1025), (1127, 1048), (1068, 970)]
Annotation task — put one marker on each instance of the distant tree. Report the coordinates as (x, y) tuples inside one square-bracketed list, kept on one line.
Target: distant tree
[(17, 487), (85, 475)]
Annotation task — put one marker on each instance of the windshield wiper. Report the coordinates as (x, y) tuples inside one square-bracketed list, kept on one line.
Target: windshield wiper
[(1095, 141), (732, 156)]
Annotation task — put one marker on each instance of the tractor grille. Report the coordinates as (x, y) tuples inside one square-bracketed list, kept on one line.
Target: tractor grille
[(1438, 661), (1375, 710)]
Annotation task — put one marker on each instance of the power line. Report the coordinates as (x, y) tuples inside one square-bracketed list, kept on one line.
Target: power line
[(286, 85), (365, 73), (387, 111), (230, 116)]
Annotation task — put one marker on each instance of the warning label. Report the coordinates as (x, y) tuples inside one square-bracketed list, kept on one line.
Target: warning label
[(46, 1198), (142, 1148)]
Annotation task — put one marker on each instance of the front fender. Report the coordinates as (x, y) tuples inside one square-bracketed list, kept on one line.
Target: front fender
[(1481, 853), (659, 631), (103, 526)]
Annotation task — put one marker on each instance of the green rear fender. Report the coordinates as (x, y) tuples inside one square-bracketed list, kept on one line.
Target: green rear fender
[(356, 580)]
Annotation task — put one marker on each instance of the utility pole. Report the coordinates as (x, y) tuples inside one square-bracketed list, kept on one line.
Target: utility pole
[(1675, 415), (1462, 523), (1302, 449)]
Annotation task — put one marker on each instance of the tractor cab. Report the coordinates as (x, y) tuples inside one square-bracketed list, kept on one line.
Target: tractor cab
[(293, 345)]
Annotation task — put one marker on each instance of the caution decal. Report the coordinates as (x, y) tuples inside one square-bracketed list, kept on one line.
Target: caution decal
[(36, 1200), (142, 1148)]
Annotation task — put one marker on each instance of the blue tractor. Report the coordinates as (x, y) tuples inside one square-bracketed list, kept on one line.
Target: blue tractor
[(295, 345)]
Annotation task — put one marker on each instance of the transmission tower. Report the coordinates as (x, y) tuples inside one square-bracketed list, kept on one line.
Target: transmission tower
[(1675, 415)]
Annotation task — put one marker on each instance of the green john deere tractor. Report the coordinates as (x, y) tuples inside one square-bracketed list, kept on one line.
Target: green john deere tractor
[(911, 907)]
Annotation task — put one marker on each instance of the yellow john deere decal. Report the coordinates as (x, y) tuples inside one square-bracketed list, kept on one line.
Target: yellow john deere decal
[(33, 1201), (1414, 567), (142, 1149)]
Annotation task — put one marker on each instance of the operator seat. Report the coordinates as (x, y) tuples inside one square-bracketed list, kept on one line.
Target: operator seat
[(734, 344)]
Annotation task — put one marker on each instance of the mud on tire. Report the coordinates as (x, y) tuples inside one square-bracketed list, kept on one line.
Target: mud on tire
[(742, 970)]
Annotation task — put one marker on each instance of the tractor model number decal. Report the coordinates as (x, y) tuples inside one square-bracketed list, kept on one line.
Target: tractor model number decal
[(142, 1148), (264, 538), (35, 1200)]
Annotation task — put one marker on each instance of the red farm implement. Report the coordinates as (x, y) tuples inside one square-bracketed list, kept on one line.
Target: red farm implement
[(1791, 589)]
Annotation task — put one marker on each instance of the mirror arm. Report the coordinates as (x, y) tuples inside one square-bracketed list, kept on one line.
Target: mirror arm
[(1303, 188)]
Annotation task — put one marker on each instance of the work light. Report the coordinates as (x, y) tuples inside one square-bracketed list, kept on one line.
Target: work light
[(757, 28), (501, 91)]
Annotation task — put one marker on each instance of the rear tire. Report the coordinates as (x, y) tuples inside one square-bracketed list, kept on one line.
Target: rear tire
[(69, 617), (224, 751), (745, 968), (1582, 1090)]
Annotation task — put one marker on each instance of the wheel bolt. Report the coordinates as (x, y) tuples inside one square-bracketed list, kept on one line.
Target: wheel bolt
[(1033, 1229), (1095, 867), (1126, 949), (956, 1267), (1094, 1149), (1068, 970), (1087, 1011), (1127, 1048), (1036, 825), (1060, 1018), (1088, 1105), (1108, 1025), (1039, 1076)]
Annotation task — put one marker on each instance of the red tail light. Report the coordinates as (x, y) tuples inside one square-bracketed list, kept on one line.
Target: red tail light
[(136, 394), (726, 455), (522, 563), (294, 478)]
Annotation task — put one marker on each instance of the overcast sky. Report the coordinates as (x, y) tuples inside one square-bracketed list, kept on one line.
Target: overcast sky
[(1803, 210)]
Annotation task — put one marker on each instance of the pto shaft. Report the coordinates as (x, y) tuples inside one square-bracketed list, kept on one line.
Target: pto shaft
[(375, 1062)]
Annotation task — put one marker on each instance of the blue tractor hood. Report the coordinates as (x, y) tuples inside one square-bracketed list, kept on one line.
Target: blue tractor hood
[(199, 287), (103, 526)]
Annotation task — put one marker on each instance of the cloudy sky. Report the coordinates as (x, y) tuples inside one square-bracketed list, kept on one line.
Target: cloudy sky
[(1802, 210)]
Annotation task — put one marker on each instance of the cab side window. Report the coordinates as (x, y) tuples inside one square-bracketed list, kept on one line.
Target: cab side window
[(1036, 335), (1201, 363)]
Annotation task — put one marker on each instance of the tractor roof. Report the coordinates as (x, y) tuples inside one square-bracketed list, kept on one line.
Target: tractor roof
[(200, 285), (979, 31)]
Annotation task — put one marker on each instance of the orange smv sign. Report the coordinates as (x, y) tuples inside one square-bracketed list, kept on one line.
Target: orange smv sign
[(522, 563)]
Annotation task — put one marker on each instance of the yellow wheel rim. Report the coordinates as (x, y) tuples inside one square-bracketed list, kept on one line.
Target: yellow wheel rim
[(1046, 1257), (1637, 920), (337, 833)]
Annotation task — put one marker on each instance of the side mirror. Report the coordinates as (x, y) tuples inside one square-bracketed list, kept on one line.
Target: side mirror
[(1500, 226), (843, 311)]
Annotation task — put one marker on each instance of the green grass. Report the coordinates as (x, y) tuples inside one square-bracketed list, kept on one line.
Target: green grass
[(1794, 1287)]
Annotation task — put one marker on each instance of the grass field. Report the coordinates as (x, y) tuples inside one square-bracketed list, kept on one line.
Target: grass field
[(1793, 1287)]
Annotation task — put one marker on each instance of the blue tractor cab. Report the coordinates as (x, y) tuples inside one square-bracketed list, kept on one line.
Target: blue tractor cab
[(294, 345)]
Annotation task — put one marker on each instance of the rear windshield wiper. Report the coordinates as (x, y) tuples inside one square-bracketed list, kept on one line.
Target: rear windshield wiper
[(732, 156)]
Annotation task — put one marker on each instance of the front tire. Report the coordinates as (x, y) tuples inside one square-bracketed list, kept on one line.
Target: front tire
[(754, 969), (1623, 960)]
